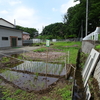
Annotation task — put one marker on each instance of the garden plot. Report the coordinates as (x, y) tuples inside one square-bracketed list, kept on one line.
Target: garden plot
[(28, 82), (40, 68)]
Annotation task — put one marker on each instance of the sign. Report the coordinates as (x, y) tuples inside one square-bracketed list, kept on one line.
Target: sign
[(47, 42)]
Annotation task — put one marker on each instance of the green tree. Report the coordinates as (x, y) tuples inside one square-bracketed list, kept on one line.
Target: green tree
[(56, 30), (75, 17), (33, 32)]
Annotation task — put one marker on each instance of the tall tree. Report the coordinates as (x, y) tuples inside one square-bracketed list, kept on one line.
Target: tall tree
[(75, 17), (56, 30)]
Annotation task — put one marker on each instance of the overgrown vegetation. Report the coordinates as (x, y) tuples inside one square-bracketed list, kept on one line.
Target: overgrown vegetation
[(72, 47), (5, 59)]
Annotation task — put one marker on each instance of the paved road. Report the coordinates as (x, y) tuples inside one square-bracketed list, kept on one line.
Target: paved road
[(16, 50)]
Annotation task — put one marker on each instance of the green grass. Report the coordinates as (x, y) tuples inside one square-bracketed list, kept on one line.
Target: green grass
[(97, 47), (5, 60), (65, 93), (67, 43), (40, 50), (72, 47)]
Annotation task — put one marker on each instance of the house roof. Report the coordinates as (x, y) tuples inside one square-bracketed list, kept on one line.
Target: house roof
[(26, 33), (5, 27), (6, 21)]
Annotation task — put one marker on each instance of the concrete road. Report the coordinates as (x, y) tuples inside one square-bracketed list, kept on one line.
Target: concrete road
[(16, 50)]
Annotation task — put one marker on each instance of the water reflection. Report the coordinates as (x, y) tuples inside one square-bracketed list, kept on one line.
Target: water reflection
[(28, 81), (40, 67)]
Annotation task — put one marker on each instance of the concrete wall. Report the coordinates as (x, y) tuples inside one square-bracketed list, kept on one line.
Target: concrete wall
[(87, 46), (97, 73), (4, 32)]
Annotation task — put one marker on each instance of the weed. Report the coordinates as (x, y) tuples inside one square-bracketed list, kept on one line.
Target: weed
[(45, 98), (5, 60), (18, 91), (65, 93), (40, 50)]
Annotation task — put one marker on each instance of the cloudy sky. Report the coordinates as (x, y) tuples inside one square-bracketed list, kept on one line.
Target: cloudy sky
[(34, 13)]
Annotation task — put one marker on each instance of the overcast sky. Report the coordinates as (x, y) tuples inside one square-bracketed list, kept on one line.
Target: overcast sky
[(34, 13)]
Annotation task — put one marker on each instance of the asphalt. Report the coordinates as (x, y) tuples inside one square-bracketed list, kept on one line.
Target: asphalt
[(17, 50)]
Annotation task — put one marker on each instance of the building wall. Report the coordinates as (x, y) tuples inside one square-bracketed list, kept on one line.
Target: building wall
[(9, 33), (26, 37), (4, 23)]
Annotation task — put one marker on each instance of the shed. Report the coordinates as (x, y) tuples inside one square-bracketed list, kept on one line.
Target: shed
[(9, 35)]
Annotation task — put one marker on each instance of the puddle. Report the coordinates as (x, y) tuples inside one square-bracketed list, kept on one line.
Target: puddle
[(40, 67), (28, 82)]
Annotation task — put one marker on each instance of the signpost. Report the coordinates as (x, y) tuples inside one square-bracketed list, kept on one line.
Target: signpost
[(47, 45)]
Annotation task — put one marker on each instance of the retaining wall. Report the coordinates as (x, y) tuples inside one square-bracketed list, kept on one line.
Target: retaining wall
[(97, 73), (86, 48)]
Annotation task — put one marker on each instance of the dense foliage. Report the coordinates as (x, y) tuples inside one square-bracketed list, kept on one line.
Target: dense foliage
[(32, 31), (56, 30), (75, 17), (74, 21)]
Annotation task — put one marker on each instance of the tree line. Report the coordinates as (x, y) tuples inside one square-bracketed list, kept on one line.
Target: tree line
[(32, 31), (74, 21), (73, 24)]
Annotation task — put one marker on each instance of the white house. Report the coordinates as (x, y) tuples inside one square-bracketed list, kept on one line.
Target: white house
[(9, 35)]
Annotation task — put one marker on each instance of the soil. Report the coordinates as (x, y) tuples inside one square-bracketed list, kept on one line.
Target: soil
[(11, 63), (43, 55), (34, 56)]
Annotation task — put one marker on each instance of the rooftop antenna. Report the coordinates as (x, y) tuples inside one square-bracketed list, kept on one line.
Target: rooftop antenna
[(14, 23)]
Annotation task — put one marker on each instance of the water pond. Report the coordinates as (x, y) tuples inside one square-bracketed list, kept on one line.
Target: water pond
[(28, 82), (42, 68), (34, 75)]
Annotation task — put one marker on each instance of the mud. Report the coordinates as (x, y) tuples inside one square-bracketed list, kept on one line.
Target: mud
[(10, 63), (43, 55), (28, 82), (40, 68)]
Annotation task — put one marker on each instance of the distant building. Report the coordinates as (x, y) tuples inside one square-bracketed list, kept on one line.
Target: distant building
[(9, 35), (26, 36)]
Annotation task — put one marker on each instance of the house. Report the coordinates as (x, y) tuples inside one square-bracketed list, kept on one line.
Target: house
[(9, 35), (26, 36)]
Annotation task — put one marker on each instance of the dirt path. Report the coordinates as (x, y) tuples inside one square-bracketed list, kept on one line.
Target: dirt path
[(16, 50)]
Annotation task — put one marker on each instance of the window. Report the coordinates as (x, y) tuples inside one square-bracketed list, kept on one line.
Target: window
[(19, 38), (4, 38)]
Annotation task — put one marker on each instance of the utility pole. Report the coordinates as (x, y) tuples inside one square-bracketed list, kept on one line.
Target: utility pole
[(86, 17)]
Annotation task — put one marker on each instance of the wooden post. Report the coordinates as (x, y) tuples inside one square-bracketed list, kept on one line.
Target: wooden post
[(47, 62), (47, 45)]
